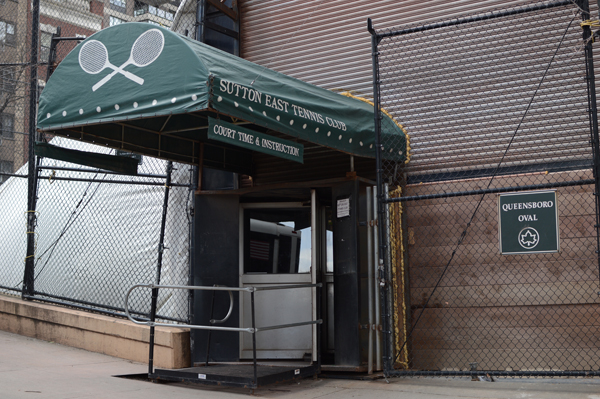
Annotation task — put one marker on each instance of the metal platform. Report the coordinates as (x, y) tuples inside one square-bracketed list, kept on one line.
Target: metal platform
[(236, 375), (243, 375)]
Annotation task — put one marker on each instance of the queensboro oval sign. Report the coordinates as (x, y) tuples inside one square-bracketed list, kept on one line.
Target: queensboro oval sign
[(528, 222)]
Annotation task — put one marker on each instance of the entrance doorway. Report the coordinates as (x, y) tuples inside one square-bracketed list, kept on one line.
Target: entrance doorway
[(284, 243)]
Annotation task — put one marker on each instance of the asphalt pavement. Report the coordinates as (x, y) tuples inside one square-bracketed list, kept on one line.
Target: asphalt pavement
[(30, 368)]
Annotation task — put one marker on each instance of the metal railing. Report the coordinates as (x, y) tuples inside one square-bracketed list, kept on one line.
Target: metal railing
[(251, 330)]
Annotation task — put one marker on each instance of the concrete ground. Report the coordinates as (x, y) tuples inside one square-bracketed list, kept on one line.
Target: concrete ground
[(30, 368)]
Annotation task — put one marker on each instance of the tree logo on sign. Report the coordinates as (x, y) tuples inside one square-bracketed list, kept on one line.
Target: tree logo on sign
[(529, 238)]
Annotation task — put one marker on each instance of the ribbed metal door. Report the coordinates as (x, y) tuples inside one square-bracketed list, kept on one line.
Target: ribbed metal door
[(327, 43)]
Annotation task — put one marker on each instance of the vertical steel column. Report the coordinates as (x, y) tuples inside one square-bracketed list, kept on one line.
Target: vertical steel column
[(382, 233), (315, 239), (161, 248), (255, 383), (28, 276), (593, 116), (194, 173), (200, 15), (376, 287), (370, 278), (320, 325)]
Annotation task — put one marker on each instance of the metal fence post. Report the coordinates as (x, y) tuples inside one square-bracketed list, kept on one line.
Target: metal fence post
[(381, 231), (593, 115), (28, 277), (161, 247)]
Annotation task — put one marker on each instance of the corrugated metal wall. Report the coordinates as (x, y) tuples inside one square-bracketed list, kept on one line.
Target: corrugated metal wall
[(327, 43)]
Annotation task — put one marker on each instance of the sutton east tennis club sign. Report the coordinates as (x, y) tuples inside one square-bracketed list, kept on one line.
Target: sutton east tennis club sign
[(252, 140), (528, 222)]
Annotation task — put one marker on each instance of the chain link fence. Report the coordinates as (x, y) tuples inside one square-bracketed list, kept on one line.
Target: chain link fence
[(97, 232), (480, 281), (14, 90)]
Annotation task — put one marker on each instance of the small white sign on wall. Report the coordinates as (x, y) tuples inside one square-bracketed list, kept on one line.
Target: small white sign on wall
[(343, 208)]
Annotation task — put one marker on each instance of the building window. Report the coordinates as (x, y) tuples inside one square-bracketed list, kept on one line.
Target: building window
[(8, 83), (5, 167), (115, 21), (7, 126), (7, 33), (143, 8), (119, 5), (45, 41)]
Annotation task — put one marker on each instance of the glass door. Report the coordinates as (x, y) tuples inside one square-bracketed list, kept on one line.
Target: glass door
[(276, 247)]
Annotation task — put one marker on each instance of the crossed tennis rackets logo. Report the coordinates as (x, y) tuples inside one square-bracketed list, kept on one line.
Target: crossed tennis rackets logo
[(93, 57)]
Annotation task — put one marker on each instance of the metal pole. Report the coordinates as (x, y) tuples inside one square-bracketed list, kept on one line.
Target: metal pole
[(212, 311), (192, 252), (52, 53), (378, 357), (380, 200), (315, 237), (478, 18), (127, 182), (28, 276), (320, 325), (254, 338), (389, 339), (200, 16), (370, 279), (161, 247), (593, 116)]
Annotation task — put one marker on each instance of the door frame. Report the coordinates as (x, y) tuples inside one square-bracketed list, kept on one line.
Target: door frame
[(281, 278)]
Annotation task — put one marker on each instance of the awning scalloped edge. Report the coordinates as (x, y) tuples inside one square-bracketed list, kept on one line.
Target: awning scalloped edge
[(348, 94)]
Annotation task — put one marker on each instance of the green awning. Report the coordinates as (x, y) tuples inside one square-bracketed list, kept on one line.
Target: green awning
[(145, 89)]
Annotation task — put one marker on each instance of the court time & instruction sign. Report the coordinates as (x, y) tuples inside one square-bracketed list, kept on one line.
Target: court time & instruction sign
[(528, 222), (256, 141)]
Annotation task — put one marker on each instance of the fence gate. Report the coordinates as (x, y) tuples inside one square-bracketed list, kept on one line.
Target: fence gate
[(489, 245)]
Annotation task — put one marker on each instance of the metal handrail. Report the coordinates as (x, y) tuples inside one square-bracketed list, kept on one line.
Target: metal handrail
[(229, 312), (191, 326), (250, 330)]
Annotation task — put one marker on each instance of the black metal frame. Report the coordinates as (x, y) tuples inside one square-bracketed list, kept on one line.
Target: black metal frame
[(243, 374), (33, 161), (37, 295), (238, 376), (593, 115), (28, 290), (28, 276), (384, 201)]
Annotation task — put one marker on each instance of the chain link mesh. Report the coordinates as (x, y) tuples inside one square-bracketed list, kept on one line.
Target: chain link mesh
[(493, 103), (97, 232), (14, 126)]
